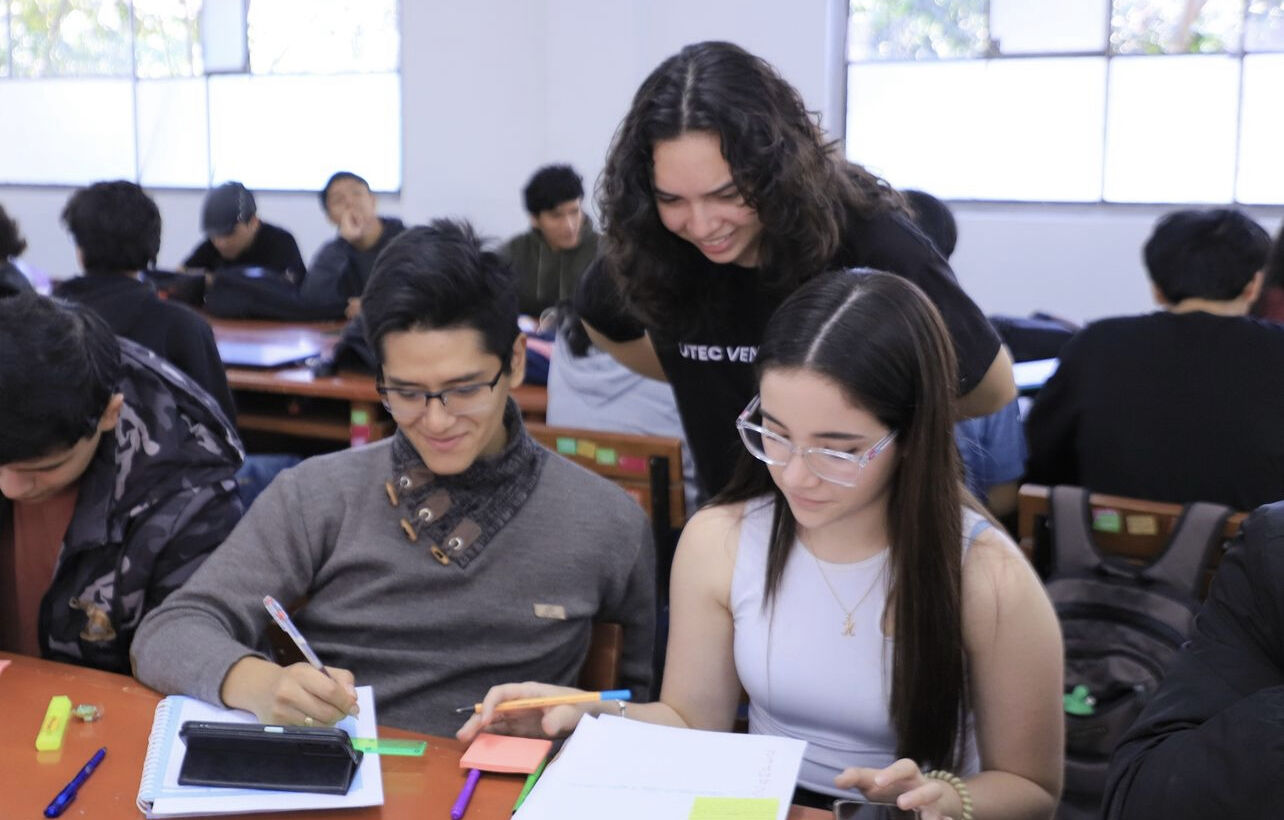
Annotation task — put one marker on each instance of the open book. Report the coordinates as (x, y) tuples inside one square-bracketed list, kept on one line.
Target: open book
[(628, 770), (159, 794)]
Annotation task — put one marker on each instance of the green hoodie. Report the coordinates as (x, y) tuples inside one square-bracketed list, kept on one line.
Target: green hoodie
[(546, 276)]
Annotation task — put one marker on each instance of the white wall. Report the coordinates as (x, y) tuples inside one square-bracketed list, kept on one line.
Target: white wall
[(491, 89)]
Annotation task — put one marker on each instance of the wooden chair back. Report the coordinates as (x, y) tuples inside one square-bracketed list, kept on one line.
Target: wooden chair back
[(1131, 528), (601, 669)]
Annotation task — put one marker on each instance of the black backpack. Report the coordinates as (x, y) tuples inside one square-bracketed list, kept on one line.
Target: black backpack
[(241, 292), (1123, 625)]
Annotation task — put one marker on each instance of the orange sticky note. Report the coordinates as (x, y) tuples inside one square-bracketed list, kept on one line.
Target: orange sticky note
[(500, 753)]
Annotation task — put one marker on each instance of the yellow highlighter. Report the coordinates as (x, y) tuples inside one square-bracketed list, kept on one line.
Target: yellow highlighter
[(54, 725)]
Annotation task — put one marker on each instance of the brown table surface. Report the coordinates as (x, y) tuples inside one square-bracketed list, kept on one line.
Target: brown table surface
[(422, 788)]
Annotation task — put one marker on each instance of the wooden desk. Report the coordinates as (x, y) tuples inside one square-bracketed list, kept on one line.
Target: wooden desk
[(292, 401), (422, 788)]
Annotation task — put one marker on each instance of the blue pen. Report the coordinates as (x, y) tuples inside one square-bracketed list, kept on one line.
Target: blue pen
[(68, 793)]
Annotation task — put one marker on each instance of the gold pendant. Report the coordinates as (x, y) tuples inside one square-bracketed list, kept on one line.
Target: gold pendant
[(849, 626)]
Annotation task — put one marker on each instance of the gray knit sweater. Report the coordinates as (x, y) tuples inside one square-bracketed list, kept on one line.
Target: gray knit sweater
[(428, 636)]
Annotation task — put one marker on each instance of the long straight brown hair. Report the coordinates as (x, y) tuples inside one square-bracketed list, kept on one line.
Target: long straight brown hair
[(882, 342)]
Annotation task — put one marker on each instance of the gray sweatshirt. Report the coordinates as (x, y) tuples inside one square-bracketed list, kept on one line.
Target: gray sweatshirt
[(429, 637)]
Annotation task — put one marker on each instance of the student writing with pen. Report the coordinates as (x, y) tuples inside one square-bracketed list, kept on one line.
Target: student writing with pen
[(435, 563)]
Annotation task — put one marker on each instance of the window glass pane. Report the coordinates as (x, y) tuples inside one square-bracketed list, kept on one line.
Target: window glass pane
[(267, 145), (908, 30), (167, 39), (73, 131), (1171, 128), (70, 38), (1264, 28), (1261, 163), (953, 129), (1176, 26), (1033, 26), (173, 133), (323, 36)]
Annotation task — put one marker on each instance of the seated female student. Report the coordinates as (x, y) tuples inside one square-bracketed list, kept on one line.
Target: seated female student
[(849, 584)]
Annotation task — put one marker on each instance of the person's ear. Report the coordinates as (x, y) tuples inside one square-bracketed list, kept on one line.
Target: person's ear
[(534, 221), (1158, 296), (1253, 289), (108, 420), (517, 362)]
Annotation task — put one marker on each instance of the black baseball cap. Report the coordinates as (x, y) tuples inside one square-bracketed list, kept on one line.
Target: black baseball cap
[(225, 207)]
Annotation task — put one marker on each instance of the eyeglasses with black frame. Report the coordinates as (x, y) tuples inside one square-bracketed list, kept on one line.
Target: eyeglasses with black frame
[(834, 466), (407, 404)]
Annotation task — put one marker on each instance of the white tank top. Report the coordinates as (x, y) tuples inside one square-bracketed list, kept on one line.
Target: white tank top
[(805, 678)]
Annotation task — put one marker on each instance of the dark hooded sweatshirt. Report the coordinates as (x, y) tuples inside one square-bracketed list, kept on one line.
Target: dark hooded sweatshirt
[(174, 331), (157, 498)]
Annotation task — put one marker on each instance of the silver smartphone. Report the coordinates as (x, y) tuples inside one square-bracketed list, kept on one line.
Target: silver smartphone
[(862, 810)]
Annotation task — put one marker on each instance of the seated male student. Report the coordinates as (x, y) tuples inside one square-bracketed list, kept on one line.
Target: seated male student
[(434, 564), (117, 478), (1210, 742), (117, 231), (236, 237), (341, 267), (1184, 404), (551, 256)]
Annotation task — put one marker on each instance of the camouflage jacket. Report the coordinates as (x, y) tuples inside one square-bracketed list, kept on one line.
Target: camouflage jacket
[(157, 498)]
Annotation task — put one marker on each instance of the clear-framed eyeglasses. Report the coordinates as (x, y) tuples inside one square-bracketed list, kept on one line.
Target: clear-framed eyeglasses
[(407, 404), (834, 466)]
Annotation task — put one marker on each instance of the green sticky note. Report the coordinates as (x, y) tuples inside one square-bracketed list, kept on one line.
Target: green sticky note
[(734, 808), (566, 446), (1106, 520), (390, 746), (606, 455)]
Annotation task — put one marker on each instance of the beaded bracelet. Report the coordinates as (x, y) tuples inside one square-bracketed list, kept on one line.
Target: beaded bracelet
[(955, 782)]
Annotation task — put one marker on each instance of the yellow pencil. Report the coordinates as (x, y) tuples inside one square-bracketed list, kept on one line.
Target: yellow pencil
[(551, 700)]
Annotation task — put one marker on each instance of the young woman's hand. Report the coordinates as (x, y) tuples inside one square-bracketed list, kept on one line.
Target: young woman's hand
[(546, 721), (904, 784)]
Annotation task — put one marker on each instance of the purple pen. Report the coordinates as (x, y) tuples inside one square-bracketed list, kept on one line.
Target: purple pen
[(465, 794)]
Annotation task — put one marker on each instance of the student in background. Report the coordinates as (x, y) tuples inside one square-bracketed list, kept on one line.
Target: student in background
[(843, 581), (435, 563), (1208, 743), (551, 256), (117, 231), (1270, 304), (720, 197), (993, 445), (116, 472), (235, 236), (341, 268), (12, 279), (1183, 404)]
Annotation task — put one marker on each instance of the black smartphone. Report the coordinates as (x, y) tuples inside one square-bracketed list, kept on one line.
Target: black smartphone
[(263, 756), (863, 810)]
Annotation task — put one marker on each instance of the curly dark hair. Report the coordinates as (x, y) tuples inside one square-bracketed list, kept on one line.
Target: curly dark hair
[(116, 225), (11, 241), (799, 184)]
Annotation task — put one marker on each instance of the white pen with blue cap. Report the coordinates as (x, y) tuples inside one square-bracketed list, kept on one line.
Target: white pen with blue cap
[(282, 619)]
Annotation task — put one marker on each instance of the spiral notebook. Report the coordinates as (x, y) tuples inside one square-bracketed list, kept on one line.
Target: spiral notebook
[(159, 794)]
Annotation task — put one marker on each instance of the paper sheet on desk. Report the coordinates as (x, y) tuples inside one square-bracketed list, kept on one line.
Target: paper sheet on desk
[(628, 770)]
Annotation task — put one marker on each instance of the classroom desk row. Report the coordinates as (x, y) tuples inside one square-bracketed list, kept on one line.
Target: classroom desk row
[(414, 787), (339, 410)]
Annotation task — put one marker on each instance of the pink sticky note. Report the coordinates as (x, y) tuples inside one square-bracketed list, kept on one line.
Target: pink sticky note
[(3, 664), (500, 753)]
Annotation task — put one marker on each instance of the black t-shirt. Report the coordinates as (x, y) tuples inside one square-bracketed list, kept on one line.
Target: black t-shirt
[(711, 369), (1170, 407), (272, 248)]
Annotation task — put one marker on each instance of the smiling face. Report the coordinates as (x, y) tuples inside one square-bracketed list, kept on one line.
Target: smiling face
[(437, 360), (697, 199), (811, 411)]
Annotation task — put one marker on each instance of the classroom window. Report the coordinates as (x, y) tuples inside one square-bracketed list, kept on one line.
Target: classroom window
[(1069, 100), (190, 93)]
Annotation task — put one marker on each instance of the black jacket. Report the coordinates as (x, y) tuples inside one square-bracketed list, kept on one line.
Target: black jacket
[(173, 331), (1211, 741)]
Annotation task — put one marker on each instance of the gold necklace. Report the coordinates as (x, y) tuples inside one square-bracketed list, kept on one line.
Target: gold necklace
[(849, 615)]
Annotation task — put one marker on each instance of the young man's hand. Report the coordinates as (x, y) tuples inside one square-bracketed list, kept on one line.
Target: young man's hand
[(295, 695)]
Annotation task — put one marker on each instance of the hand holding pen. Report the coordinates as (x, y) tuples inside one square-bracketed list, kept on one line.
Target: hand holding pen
[(302, 694), (536, 710)]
